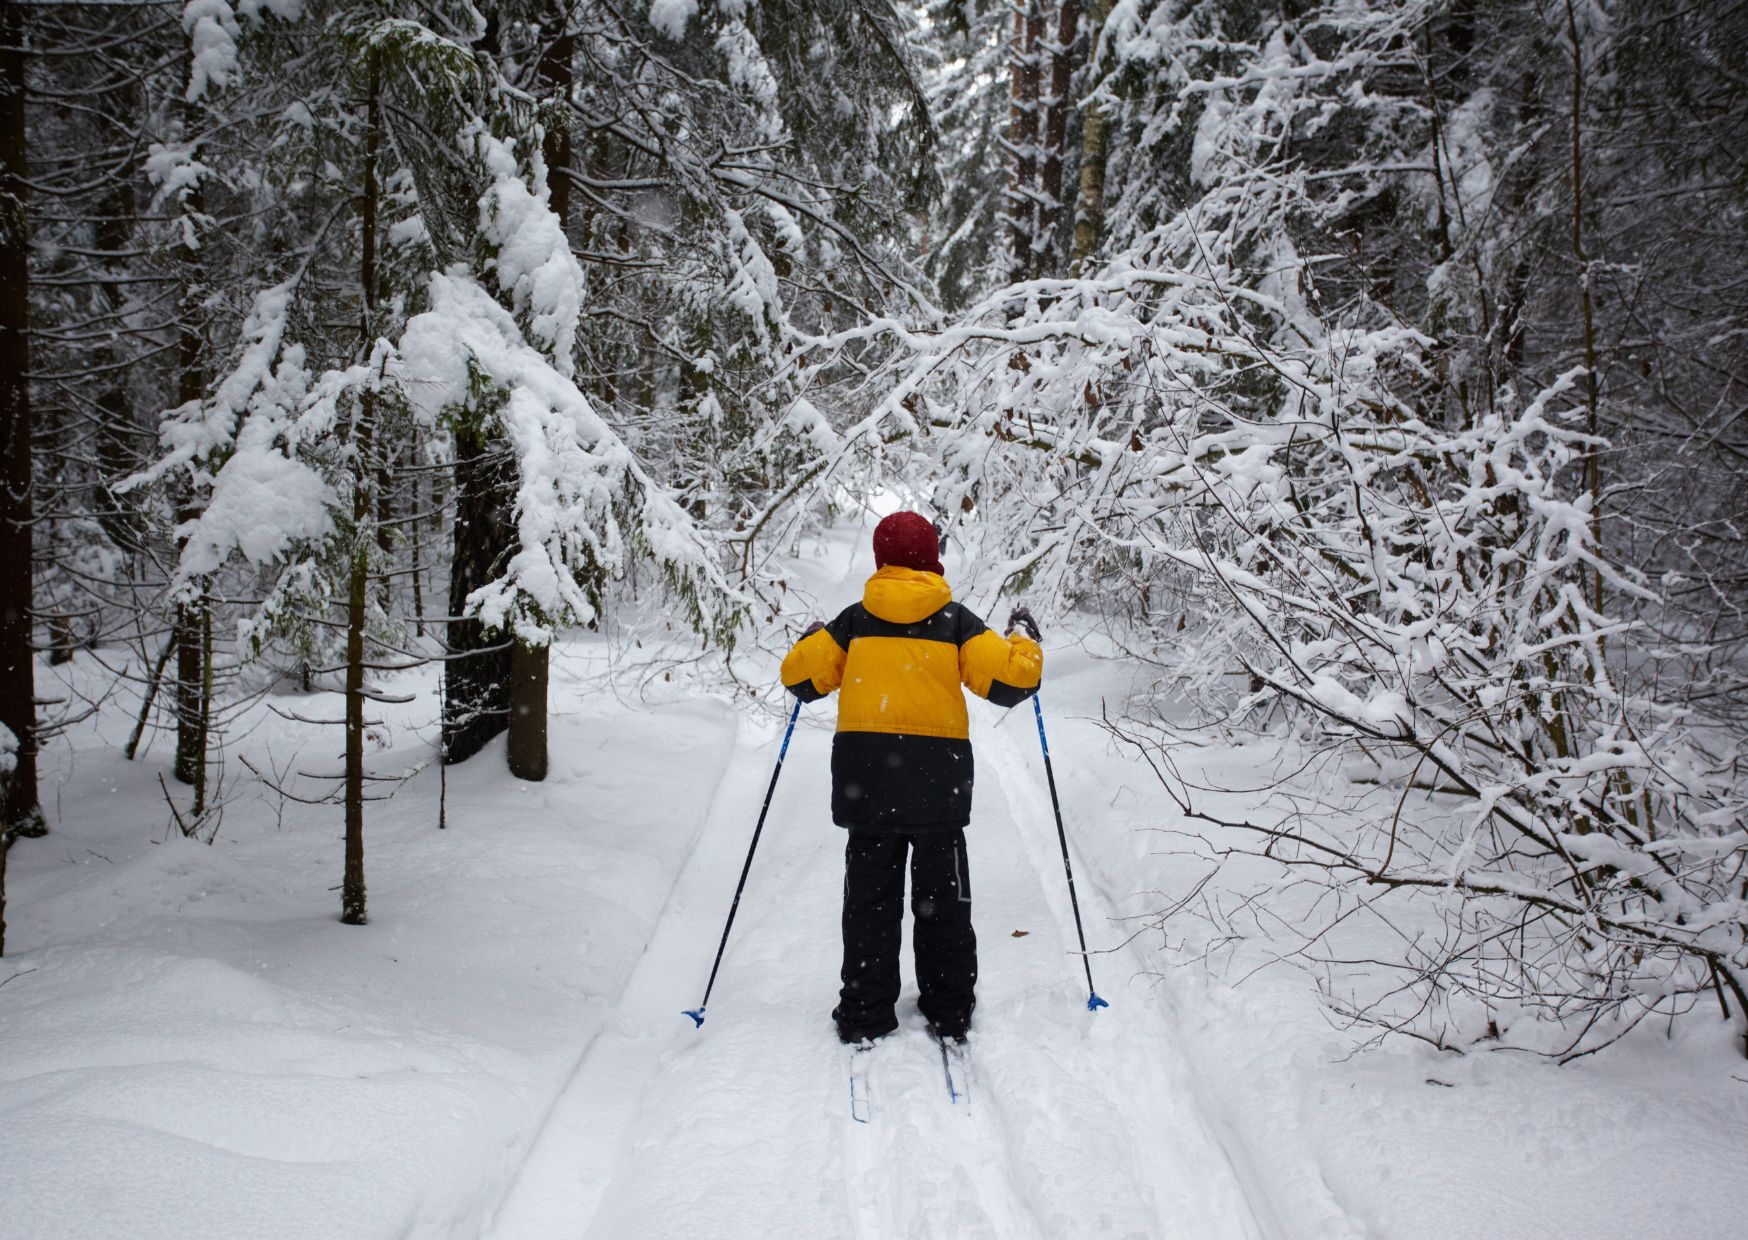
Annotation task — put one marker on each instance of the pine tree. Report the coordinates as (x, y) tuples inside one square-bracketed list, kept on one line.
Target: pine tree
[(529, 663)]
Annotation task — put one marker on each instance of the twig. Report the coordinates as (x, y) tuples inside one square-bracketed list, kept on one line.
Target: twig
[(174, 812), (18, 975)]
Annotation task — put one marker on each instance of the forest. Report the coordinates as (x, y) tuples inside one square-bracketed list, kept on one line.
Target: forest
[(1372, 374), (425, 423)]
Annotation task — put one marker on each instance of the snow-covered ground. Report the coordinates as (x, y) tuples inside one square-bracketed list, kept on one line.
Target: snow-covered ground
[(192, 1044)]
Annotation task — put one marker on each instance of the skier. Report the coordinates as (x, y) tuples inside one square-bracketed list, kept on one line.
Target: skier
[(902, 770)]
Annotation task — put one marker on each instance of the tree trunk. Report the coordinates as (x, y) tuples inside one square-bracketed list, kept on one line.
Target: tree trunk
[(1022, 189), (598, 231), (190, 650), (20, 814), (203, 731), (385, 541), (477, 680), (1089, 216), (526, 743), (527, 740), (133, 741), (1593, 421), (119, 450), (364, 474), (556, 75), (1055, 154), (418, 548), (352, 894), (186, 638)]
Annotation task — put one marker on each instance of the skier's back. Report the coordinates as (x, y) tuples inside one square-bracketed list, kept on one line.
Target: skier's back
[(902, 771)]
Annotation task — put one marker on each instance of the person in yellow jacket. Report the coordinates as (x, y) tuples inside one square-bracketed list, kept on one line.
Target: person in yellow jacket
[(902, 771)]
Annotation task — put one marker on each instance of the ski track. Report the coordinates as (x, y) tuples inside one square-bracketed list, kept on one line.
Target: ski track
[(1299, 1205), (1079, 1124)]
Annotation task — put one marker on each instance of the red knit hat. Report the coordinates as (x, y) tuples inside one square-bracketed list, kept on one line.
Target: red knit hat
[(907, 540)]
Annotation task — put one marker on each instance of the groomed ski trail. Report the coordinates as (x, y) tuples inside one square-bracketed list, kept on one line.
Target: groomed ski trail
[(1081, 1124), (1284, 1199)]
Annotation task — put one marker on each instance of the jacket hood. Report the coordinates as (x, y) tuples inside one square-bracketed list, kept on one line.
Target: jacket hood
[(905, 595)]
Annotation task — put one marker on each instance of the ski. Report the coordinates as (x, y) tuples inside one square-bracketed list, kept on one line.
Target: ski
[(956, 1069), (861, 1087)]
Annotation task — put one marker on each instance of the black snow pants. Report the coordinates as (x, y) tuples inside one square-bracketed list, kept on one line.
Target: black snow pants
[(944, 942)]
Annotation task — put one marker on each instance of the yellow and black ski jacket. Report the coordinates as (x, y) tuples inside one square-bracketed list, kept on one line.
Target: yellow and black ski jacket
[(901, 759)]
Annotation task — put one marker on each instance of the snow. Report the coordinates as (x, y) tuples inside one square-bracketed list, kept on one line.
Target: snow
[(199, 430), (789, 233), (212, 40), (748, 70), (191, 1042), (175, 1004), (262, 502), (752, 289), (173, 169), (534, 266), (1387, 710), (574, 473), (670, 16)]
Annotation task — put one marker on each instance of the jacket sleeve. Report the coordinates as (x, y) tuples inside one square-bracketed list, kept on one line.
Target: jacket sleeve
[(1006, 670), (814, 666)]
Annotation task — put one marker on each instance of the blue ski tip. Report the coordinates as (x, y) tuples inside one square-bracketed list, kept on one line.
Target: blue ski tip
[(698, 1017), (1093, 1003)]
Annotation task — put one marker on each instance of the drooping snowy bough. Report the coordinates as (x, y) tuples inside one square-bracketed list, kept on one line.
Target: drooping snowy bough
[(582, 498), (1279, 526), (272, 446)]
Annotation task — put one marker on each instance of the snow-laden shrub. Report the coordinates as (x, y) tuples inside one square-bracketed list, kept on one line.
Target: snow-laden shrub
[(1296, 500)]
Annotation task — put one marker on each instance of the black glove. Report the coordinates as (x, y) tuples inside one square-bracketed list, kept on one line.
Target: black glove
[(1021, 618), (813, 628)]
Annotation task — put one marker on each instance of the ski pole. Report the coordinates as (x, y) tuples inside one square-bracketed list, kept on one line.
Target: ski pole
[(697, 1013), (1093, 1002)]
